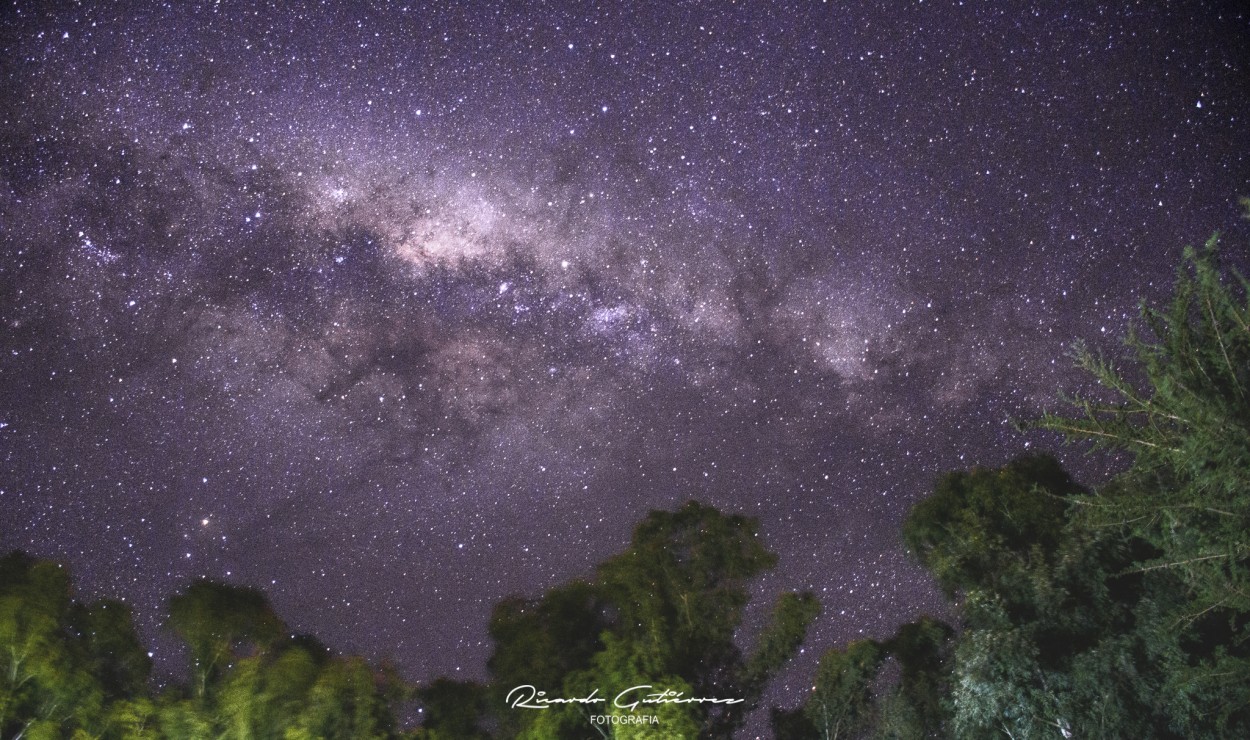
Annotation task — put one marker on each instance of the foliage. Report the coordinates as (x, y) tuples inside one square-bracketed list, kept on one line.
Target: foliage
[(662, 614), (849, 701), (220, 624), (916, 708), (975, 520), (452, 710), (251, 680), (541, 642), (110, 647), (841, 704), (1188, 429), (1116, 613), (38, 681), (71, 670)]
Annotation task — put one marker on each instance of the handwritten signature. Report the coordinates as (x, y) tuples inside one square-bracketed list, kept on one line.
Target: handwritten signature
[(529, 697)]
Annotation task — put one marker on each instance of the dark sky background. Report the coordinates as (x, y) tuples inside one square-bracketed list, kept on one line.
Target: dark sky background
[(396, 310)]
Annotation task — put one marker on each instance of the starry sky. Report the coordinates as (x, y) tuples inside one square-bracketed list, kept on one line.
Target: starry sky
[(394, 310)]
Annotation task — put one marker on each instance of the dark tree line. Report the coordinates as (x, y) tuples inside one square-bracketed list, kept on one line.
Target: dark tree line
[(664, 614), (1122, 612), (69, 670), (1119, 612)]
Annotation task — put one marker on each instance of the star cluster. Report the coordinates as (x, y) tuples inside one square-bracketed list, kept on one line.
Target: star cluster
[(396, 310)]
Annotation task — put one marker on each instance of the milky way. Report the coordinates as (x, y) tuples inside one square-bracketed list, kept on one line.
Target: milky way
[(393, 311)]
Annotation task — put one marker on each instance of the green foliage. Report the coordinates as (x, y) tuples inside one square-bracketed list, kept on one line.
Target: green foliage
[(133, 719), (263, 695), (46, 685), (1184, 413), (1067, 629), (850, 698), (250, 681), (350, 698), (183, 719), (664, 614), (1058, 636), (78, 671), (916, 709), (221, 623), (975, 520), (541, 642), (791, 616), (681, 586), (452, 710), (622, 664), (841, 704), (111, 647)]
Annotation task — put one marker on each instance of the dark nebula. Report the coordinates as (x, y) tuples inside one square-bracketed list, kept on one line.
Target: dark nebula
[(393, 311)]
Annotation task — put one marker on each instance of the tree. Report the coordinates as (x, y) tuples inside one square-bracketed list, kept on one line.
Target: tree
[(916, 708), (1183, 411), (251, 680), (978, 523), (841, 704), (853, 698), (266, 694), (1188, 429), (542, 642), (71, 670), (349, 698), (452, 710), (1117, 613), (1062, 633), (665, 614), (1043, 600), (45, 685), (221, 624), (111, 647)]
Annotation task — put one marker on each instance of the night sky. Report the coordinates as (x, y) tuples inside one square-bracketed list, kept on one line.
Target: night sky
[(393, 311)]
